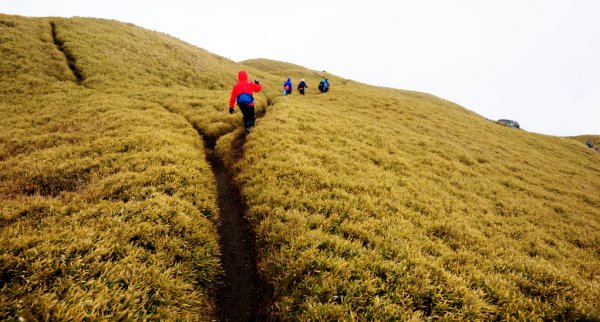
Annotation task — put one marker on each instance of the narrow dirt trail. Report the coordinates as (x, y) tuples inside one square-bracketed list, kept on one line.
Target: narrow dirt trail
[(236, 297), (71, 62), (243, 295)]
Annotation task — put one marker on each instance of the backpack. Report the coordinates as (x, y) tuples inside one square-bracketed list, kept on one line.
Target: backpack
[(245, 99)]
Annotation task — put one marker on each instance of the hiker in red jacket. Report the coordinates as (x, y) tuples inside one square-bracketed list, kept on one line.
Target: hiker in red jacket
[(242, 93)]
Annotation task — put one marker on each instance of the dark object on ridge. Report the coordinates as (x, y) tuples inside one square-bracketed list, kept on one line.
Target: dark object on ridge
[(589, 143), (510, 123)]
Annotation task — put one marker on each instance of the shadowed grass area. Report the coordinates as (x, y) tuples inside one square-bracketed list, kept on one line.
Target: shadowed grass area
[(368, 203)]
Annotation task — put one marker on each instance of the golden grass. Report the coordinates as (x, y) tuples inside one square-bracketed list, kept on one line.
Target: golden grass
[(108, 208), (594, 138), (369, 203), (377, 204)]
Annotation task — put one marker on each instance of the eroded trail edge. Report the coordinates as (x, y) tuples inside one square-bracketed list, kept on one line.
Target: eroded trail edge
[(71, 62), (242, 296)]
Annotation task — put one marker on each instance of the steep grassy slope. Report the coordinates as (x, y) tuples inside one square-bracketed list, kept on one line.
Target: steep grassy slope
[(107, 207), (158, 68), (368, 203), (383, 204)]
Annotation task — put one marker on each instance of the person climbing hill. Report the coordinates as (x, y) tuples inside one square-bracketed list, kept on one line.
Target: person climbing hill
[(302, 86), (287, 87), (242, 94), (324, 85)]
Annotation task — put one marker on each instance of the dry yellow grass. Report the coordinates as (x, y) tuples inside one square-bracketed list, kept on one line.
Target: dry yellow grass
[(369, 203), (107, 208), (380, 204), (594, 138)]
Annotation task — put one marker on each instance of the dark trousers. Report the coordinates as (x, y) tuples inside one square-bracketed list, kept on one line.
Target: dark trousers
[(248, 112), (301, 90)]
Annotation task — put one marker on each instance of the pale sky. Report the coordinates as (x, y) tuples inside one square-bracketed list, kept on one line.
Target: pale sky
[(534, 61)]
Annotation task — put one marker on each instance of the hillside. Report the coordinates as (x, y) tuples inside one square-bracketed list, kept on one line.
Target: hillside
[(401, 204), (105, 210), (364, 203)]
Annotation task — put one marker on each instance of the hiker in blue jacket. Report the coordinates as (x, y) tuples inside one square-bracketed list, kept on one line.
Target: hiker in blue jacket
[(287, 86), (302, 86), (324, 85)]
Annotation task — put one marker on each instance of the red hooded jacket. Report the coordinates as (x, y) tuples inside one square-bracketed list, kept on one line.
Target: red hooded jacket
[(243, 86)]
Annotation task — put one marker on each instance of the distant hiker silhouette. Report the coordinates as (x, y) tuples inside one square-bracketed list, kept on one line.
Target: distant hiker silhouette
[(589, 144), (287, 87), (302, 86), (324, 85), (242, 93)]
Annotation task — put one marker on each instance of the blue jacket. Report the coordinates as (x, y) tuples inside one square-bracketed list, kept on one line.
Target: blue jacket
[(302, 85), (288, 83)]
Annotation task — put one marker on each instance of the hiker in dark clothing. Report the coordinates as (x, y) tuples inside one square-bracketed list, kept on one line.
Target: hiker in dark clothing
[(302, 86), (324, 86), (589, 144), (242, 93), (287, 87)]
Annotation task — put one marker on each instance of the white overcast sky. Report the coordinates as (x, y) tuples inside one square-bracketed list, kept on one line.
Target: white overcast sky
[(534, 61)]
